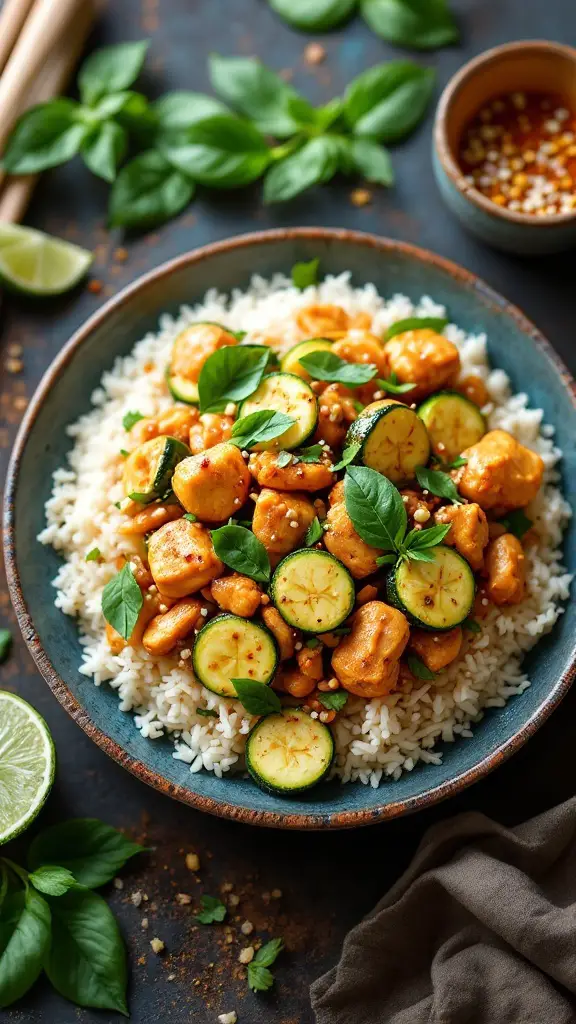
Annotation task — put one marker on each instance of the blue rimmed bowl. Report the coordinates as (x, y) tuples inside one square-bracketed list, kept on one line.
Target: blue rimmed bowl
[(64, 394)]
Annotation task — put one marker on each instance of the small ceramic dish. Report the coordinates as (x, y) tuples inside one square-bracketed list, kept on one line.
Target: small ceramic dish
[(531, 66), (514, 344)]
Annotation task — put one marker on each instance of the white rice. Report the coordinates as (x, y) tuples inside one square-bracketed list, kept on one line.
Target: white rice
[(375, 740)]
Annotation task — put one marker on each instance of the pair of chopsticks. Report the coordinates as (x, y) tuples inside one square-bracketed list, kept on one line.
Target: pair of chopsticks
[(40, 43)]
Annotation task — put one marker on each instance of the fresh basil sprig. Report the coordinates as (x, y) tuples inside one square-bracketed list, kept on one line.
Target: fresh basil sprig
[(240, 550), (256, 697), (231, 374), (416, 323), (311, 454), (328, 366), (260, 979), (212, 910), (257, 427), (391, 386), (305, 274), (387, 102), (348, 455), (334, 701), (122, 601), (314, 533), (410, 23), (314, 15), (438, 483)]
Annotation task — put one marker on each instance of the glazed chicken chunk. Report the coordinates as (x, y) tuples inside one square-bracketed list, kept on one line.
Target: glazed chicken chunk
[(237, 594), (174, 422), (322, 321), (164, 631), (361, 347), (211, 429), (281, 520), (506, 570), (193, 346), (436, 650), (298, 476), (500, 474), (182, 558), (424, 358), (212, 485), (366, 661), (468, 531), (344, 543)]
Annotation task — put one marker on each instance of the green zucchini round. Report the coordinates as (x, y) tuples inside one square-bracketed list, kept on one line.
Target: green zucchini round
[(288, 393), (182, 389), (290, 363), (436, 595), (149, 468), (313, 591), (392, 438), (229, 647), (288, 752), (453, 422)]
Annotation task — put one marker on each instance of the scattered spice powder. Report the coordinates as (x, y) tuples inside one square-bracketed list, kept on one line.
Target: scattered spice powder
[(314, 53), (360, 197), (95, 286)]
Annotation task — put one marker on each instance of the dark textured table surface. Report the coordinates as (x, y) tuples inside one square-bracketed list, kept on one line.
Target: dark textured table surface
[(327, 881)]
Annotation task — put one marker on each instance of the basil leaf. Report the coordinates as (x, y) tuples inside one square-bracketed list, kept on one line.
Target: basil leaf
[(314, 15), (86, 962), (212, 910), (5, 644), (148, 191), (256, 91), (45, 136), (207, 713), (341, 631), (220, 151), (394, 389), (257, 698), (413, 23), (263, 425), (190, 517), (305, 274), (268, 953), (372, 161), (316, 162), (517, 522), (110, 70), (91, 850), (122, 601), (176, 111), (327, 366), (260, 979), (240, 550), (314, 533), (283, 459), (374, 506), (416, 323), (414, 555), (419, 669), (472, 626), (312, 642), (386, 559), (438, 483), (333, 701), (117, 103), (311, 454), (231, 374), (419, 540), (130, 418), (52, 880), (457, 462), (386, 102), (348, 455), (24, 940), (104, 149)]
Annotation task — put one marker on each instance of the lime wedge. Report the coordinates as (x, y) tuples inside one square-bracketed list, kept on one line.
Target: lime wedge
[(38, 264), (27, 762)]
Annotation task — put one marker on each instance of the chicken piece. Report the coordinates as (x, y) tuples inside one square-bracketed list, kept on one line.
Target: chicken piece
[(366, 661), (283, 633), (436, 650), (322, 321), (151, 517), (360, 322), (237, 594), (424, 358), (310, 662), (294, 682), (182, 558), (468, 531), (362, 347), (140, 570), (214, 484), (280, 521), (164, 631), (335, 414), (500, 473), (193, 346), (506, 570), (344, 543), (174, 422), (211, 429), (336, 496), (299, 476), (367, 593), (474, 388)]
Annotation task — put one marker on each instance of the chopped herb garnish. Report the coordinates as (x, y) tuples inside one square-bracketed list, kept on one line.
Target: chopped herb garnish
[(212, 910), (207, 713), (305, 274), (314, 533), (130, 419), (283, 459), (93, 555), (312, 642), (416, 323), (260, 979), (391, 387), (190, 517), (517, 522), (5, 644), (419, 669), (348, 455), (438, 483), (257, 698), (328, 366), (334, 701), (124, 453), (311, 454), (472, 626)]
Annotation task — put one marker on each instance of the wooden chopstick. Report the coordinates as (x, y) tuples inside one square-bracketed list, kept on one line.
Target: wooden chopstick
[(12, 18)]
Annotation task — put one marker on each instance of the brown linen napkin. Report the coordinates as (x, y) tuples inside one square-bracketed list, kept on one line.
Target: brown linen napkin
[(481, 929)]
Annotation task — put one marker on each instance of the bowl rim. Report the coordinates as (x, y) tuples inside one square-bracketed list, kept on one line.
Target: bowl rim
[(315, 820), (480, 64)]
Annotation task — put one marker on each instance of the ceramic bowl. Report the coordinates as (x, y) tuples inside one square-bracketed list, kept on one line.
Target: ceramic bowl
[(64, 394), (532, 66)]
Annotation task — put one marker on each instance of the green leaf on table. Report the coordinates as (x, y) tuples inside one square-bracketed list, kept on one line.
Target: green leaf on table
[(255, 91), (240, 550), (416, 323), (327, 366), (130, 418), (86, 962), (305, 274), (416, 24), (52, 880), (314, 15), (314, 533), (517, 522), (348, 455), (313, 164), (386, 102), (375, 507), (5, 644), (438, 483), (147, 191), (104, 149), (260, 426), (212, 910), (91, 850), (118, 103), (220, 151), (372, 161), (122, 601), (24, 941), (419, 669), (334, 701), (231, 374), (45, 136), (177, 111), (256, 697), (111, 69), (260, 979)]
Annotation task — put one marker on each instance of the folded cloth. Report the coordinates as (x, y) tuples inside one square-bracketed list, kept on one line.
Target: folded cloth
[(480, 929)]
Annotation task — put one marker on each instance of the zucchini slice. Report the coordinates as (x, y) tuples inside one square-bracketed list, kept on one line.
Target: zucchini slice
[(288, 393), (393, 440), (290, 363), (288, 752), (182, 389), (229, 647), (434, 595), (453, 423), (148, 469), (313, 591)]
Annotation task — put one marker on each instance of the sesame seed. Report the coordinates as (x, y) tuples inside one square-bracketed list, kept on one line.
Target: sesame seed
[(236, 501), (230, 409), (298, 646), (294, 524), (185, 654)]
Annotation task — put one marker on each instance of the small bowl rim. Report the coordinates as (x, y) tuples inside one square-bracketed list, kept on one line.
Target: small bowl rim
[(315, 820), (441, 120)]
